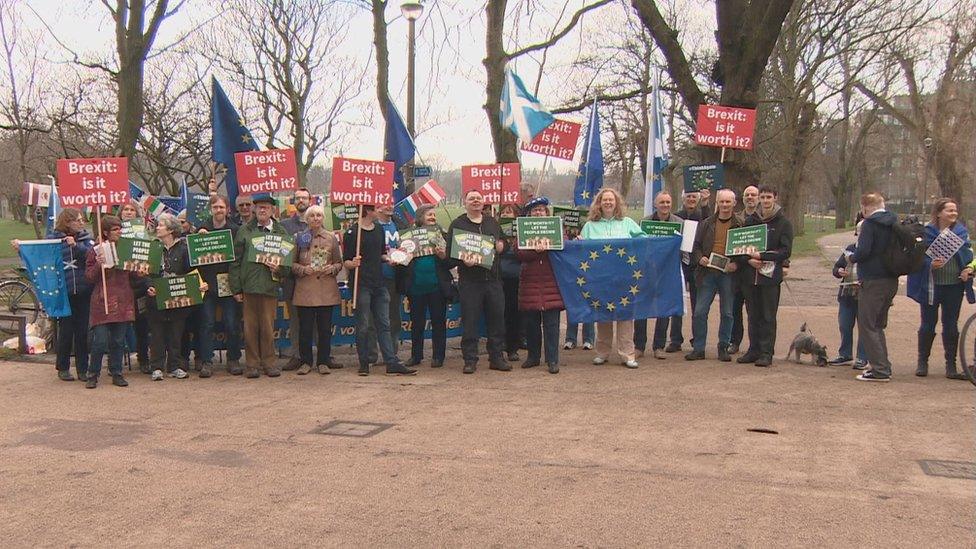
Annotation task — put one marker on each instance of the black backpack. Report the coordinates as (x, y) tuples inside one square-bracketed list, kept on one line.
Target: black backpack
[(905, 253)]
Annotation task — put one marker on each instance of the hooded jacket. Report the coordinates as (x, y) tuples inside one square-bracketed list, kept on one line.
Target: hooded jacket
[(75, 258), (921, 286), (871, 244), (779, 247)]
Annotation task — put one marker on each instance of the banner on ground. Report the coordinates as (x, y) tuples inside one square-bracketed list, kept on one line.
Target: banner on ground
[(746, 240), (271, 249), (704, 176), (558, 140), (661, 228), (475, 247), (174, 292), (138, 255), (93, 181), (357, 181), (268, 171), (498, 183), (209, 248), (726, 127), (533, 231)]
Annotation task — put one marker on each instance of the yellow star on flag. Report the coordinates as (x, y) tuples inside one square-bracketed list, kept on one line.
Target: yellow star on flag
[(585, 194), (596, 304), (396, 185), (580, 281), (611, 306), (240, 121), (631, 260), (607, 249), (246, 138), (586, 295), (621, 252), (594, 254), (638, 275), (624, 301), (634, 290), (584, 266)]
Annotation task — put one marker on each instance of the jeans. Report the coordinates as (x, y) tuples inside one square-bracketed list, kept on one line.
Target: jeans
[(230, 315), (373, 307), (482, 298), (435, 304), (572, 330), (874, 300), (312, 320), (660, 333), (949, 298), (542, 327), (762, 303), (846, 319), (107, 339), (396, 323), (73, 331), (713, 282)]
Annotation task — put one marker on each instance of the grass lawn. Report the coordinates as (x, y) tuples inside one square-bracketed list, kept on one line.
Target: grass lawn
[(806, 244), (9, 230)]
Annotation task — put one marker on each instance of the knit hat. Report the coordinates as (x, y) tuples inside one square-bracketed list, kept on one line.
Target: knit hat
[(537, 201)]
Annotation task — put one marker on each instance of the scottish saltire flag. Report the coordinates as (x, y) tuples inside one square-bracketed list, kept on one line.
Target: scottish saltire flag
[(399, 148), (53, 206), (45, 267), (229, 136), (657, 152), (589, 178), (521, 112), (620, 278), (184, 197), (429, 193)]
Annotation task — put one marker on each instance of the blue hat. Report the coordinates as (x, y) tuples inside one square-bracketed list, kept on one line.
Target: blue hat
[(537, 201), (263, 197)]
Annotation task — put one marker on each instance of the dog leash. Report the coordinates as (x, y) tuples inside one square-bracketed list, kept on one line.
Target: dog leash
[(797, 305)]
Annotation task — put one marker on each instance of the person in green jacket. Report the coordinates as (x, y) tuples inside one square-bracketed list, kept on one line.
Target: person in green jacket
[(256, 283)]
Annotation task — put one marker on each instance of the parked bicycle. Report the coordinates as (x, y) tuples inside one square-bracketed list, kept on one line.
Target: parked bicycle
[(967, 348)]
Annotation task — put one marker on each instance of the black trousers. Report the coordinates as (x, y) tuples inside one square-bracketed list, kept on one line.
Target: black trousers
[(436, 304), (762, 303), (737, 326), (318, 321), (73, 333), (141, 327), (166, 340), (482, 299), (513, 324)]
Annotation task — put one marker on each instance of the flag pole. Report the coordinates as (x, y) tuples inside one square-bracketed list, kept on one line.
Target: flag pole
[(542, 176), (359, 241), (98, 222)]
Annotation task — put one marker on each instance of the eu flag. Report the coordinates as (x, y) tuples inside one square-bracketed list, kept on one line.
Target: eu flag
[(229, 136), (398, 147), (589, 179), (620, 278), (45, 267)]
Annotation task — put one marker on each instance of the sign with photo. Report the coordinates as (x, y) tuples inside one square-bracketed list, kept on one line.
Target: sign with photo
[(704, 176), (475, 247), (573, 218), (271, 249), (343, 216), (533, 231), (209, 248), (507, 225), (134, 228), (746, 240), (173, 292), (661, 228), (138, 255), (421, 241)]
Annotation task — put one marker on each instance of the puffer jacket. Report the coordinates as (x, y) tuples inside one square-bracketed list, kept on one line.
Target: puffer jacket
[(123, 288), (921, 286), (75, 258), (538, 290)]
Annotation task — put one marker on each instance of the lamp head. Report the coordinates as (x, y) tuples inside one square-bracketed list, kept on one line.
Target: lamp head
[(412, 10)]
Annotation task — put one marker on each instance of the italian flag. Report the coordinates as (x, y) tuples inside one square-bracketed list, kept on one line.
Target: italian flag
[(152, 205)]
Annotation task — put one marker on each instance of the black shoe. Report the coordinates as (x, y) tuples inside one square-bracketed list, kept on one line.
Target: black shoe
[(723, 354), (206, 369), (144, 366), (82, 376), (500, 366), (748, 358), (292, 364), (436, 363), (764, 361), (839, 361), (119, 381), (234, 367), (733, 348), (673, 348), (364, 369), (470, 367), (333, 365), (871, 376), (400, 370), (513, 357), (412, 362), (65, 375), (529, 363), (91, 383), (695, 355), (859, 365), (553, 368)]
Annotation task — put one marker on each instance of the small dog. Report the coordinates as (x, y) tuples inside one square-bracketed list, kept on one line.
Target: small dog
[(805, 343)]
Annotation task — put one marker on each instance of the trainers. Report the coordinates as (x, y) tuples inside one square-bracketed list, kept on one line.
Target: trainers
[(553, 368), (598, 360), (179, 373), (695, 355), (273, 372), (252, 373), (234, 367), (748, 358), (733, 348), (500, 366), (333, 365), (631, 364), (470, 367), (658, 354), (91, 382), (119, 381), (587, 346), (568, 345), (65, 375), (400, 370), (304, 369), (673, 348), (364, 369), (157, 375), (323, 369), (206, 369), (871, 376), (860, 365), (513, 357), (840, 361)]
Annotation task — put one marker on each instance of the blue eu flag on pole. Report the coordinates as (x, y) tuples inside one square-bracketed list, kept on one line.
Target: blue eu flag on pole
[(620, 278), (399, 148), (589, 179), (520, 111), (45, 267), (229, 136)]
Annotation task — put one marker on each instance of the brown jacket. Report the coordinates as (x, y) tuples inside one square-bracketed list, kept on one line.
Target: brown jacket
[(317, 288)]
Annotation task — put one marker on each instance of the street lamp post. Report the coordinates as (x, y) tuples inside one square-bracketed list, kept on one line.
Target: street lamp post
[(411, 10)]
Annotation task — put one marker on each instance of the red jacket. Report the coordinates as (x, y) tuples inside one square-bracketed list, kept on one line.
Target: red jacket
[(121, 300), (538, 290)]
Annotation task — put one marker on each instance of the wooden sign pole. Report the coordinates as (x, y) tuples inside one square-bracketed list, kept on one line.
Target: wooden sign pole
[(359, 241), (98, 223)]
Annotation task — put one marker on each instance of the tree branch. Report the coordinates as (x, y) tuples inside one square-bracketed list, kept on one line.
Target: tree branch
[(559, 35)]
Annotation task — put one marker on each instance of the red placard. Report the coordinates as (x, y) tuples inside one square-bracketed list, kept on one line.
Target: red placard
[(728, 127), (93, 181), (267, 171), (361, 182), (557, 140), (498, 183)]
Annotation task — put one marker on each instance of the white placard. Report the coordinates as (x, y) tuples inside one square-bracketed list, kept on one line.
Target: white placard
[(688, 231)]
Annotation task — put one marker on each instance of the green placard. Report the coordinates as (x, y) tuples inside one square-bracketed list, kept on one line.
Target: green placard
[(211, 247), (271, 249), (343, 215), (174, 292), (421, 241), (573, 218), (533, 231), (139, 255), (508, 225), (746, 240), (474, 246), (660, 228), (134, 228)]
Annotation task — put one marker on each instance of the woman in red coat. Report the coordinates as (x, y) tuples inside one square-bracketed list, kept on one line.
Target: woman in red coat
[(539, 297)]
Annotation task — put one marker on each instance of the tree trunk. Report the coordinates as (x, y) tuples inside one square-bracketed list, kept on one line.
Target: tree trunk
[(792, 193), (944, 164), (502, 139), (382, 55)]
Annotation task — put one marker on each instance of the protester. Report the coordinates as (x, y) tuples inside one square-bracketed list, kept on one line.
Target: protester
[(245, 206), (941, 283), (607, 220), (294, 224), (428, 285), (109, 324), (137, 332), (218, 294), (847, 308), (69, 227), (365, 263), (750, 203), (690, 211), (539, 299), (710, 239), (384, 218), (510, 268), (194, 317), (166, 325), (761, 274), (255, 285), (878, 285), (662, 212), (480, 288), (316, 291)]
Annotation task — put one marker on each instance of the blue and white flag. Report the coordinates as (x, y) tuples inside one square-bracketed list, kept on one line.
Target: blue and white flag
[(657, 152), (521, 112), (135, 193), (589, 178), (45, 267), (53, 207), (184, 197), (399, 148)]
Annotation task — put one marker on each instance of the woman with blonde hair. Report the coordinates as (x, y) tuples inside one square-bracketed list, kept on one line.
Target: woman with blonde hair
[(607, 220)]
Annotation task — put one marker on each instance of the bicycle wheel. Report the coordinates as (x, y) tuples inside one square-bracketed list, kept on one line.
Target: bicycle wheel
[(967, 348), (17, 298)]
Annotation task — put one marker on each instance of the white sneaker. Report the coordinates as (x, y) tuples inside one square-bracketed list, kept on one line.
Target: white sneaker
[(157, 375), (631, 364), (587, 346), (178, 374), (568, 345), (599, 360)]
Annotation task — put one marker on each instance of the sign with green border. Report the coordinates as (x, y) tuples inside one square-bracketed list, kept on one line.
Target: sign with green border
[(573, 218), (476, 247), (134, 228), (209, 248), (660, 228), (533, 231), (271, 249), (139, 255), (421, 241), (746, 240), (173, 292)]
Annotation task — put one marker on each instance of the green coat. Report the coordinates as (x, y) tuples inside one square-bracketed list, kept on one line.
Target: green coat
[(254, 278)]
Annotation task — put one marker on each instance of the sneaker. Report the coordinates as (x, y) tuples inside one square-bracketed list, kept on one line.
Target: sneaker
[(733, 348), (65, 375), (179, 373), (293, 364), (513, 357), (157, 375), (860, 365), (631, 364), (364, 369), (273, 372), (659, 354), (400, 370), (206, 369), (587, 346), (748, 358), (500, 366), (119, 381), (91, 383), (673, 348), (568, 345), (598, 360), (304, 369), (871, 376), (252, 373), (234, 367), (840, 361), (695, 355), (553, 368), (333, 365), (323, 369)]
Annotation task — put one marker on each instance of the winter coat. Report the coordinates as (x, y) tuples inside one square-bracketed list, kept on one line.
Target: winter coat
[(845, 293), (75, 258), (871, 243), (210, 272), (175, 262), (122, 288), (921, 286), (779, 247), (538, 290), (247, 277), (316, 288), (704, 242)]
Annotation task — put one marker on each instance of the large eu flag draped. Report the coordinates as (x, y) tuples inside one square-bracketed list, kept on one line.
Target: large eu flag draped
[(589, 179), (399, 149), (620, 278), (229, 136), (45, 267)]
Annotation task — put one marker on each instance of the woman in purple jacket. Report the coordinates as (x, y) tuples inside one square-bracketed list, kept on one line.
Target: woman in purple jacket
[(539, 297)]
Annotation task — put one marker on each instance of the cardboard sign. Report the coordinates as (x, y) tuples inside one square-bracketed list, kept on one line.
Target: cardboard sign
[(704, 176), (209, 248), (475, 247), (573, 218), (558, 140), (421, 241), (138, 255), (268, 171), (507, 225), (661, 228), (134, 228), (198, 209), (343, 216), (361, 182), (93, 181), (498, 183), (271, 249), (727, 127), (533, 231), (746, 240), (174, 292)]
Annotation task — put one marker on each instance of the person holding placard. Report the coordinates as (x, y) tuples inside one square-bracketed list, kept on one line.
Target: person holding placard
[(662, 212), (217, 277), (539, 299), (510, 268), (941, 283), (166, 325), (480, 288), (137, 334), (750, 203), (69, 227), (607, 220), (294, 224), (384, 218), (316, 292)]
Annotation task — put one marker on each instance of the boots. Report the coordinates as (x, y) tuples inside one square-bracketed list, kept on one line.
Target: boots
[(925, 340), (951, 344)]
